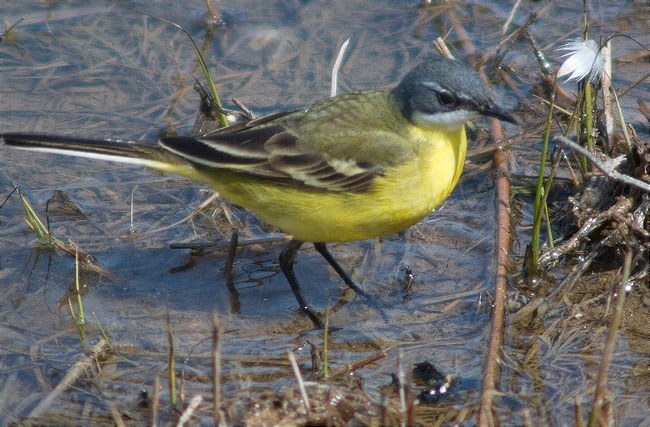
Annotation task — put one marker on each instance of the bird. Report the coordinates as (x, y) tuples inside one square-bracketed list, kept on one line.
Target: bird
[(352, 167)]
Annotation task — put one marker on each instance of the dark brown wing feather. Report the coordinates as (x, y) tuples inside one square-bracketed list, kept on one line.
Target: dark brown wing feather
[(267, 148)]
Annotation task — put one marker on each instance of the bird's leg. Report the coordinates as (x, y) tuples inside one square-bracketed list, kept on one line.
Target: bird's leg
[(322, 249), (287, 257)]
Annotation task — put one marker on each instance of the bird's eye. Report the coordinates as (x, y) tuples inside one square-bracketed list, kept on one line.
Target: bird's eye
[(446, 99)]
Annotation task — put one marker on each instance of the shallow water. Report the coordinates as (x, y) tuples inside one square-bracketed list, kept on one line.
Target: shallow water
[(100, 70)]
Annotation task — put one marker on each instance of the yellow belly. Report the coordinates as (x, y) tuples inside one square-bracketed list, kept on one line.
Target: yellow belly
[(399, 198)]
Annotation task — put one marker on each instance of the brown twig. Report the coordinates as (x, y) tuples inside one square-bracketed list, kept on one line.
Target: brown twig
[(188, 218), (601, 406), (230, 262), (227, 244), (508, 38), (351, 367), (216, 370), (622, 207), (501, 165), (71, 377), (171, 364)]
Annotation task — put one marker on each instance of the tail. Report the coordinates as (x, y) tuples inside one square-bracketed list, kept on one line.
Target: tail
[(116, 150)]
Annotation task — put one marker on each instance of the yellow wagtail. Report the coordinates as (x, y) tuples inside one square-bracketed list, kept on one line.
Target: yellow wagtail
[(352, 167)]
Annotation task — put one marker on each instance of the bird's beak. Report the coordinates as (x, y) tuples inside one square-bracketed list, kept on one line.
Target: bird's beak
[(499, 113)]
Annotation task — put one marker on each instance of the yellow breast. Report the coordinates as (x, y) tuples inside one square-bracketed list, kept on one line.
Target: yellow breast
[(402, 196)]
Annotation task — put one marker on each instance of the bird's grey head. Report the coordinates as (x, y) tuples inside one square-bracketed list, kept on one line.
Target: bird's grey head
[(443, 92)]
